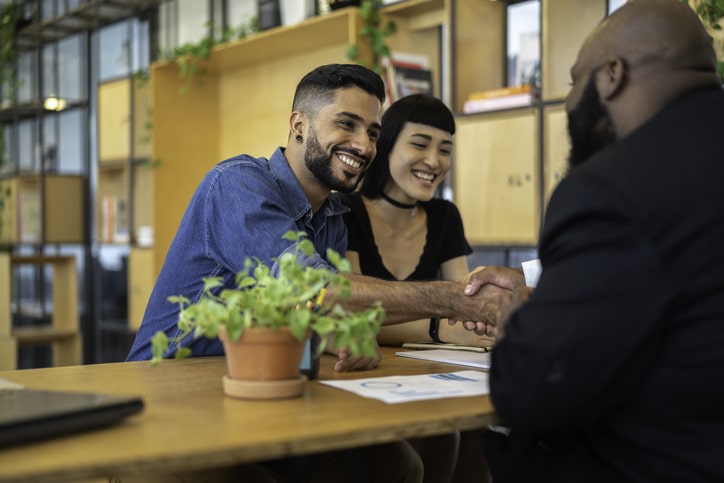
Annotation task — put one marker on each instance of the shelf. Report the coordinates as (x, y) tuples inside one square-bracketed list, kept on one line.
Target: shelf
[(23, 111), (89, 15), (63, 332), (409, 8), (123, 129), (280, 42), (54, 217), (111, 166), (30, 110), (42, 335), (498, 151)]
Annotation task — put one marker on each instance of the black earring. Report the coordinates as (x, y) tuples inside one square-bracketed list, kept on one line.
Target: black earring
[(299, 138)]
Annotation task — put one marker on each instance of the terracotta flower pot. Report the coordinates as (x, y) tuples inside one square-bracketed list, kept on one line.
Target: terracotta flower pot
[(263, 363)]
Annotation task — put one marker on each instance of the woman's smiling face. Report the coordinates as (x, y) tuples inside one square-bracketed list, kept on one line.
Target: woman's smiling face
[(419, 161)]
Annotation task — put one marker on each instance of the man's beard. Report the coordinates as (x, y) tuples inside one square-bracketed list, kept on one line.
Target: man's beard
[(589, 126), (320, 164)]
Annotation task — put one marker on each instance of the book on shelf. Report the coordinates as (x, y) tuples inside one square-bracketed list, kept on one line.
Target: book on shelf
[(114, 220), (500, 92), (406, 74), (121, 230), (500, 98), (30, 216)]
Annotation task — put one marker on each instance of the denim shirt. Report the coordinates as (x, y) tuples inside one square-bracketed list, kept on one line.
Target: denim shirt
[(241, 209)]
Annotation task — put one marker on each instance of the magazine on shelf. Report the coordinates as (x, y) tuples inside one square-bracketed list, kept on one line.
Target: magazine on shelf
[(114, 220)]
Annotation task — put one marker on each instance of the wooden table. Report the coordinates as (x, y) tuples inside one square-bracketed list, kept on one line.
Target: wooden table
[(188, 423)]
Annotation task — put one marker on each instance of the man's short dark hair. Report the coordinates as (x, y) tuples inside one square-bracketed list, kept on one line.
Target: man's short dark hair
[(319, 85)]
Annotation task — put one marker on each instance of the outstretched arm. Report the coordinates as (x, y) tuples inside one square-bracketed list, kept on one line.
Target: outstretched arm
[(405, 301)]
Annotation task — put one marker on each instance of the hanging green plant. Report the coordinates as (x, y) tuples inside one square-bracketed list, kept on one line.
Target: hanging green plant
[(10, 17), (189, 56), (711, 13), (374, 32)]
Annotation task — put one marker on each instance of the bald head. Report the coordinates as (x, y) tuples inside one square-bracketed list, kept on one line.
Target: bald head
[(639, 59), (655, 31)]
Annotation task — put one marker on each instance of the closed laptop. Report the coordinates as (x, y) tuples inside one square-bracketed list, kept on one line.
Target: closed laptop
[(31, 414)]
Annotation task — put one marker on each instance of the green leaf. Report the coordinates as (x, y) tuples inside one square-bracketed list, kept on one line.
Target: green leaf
[(159, 346), (182, 353)]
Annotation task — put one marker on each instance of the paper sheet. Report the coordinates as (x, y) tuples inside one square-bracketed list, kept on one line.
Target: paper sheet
[(8, 384), (463, 358), (400, 389), (531, 271)]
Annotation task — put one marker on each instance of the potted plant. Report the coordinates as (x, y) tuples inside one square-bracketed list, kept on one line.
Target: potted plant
[(266, 317)]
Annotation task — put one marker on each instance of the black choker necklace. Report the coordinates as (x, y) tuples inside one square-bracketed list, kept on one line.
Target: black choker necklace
[(404, 206)]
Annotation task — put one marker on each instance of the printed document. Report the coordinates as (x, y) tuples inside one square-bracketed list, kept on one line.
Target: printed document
[(400, 389)]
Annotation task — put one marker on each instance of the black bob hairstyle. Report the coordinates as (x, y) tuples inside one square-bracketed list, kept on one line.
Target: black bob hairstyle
[(417, 108)]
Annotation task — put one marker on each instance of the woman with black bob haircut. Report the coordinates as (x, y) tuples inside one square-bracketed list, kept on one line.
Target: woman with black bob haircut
[(398, 230)]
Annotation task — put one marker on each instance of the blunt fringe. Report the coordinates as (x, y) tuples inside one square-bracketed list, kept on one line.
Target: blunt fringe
[(417, 108)]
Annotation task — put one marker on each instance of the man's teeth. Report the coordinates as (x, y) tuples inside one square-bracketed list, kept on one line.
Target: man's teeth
[(423, 176), (349, 161)]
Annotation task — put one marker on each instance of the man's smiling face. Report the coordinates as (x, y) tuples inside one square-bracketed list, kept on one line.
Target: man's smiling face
[(341, 141)]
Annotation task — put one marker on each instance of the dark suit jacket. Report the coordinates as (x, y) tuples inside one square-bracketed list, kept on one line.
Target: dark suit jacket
[(614, 369)]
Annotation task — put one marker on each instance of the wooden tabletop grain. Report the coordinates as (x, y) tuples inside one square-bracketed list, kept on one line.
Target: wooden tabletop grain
[(188, 422)]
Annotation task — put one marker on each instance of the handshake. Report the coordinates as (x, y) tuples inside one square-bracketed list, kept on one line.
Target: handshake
[(504, 290)]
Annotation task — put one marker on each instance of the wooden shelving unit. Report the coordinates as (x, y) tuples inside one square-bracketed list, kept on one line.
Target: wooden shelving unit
[(45, 208), (63, 333), (508, 162)]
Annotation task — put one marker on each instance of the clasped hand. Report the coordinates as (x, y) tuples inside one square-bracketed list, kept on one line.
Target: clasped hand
[(505, 291)]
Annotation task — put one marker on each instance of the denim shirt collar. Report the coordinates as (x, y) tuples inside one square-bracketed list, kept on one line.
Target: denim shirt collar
[(298, 203)]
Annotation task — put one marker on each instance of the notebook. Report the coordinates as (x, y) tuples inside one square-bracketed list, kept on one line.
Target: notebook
[(480, 360), (33, 414)]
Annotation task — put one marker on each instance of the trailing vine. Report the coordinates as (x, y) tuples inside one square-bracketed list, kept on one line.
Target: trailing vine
[(374, 31), (189, 56), (10, 16), (711, 13)]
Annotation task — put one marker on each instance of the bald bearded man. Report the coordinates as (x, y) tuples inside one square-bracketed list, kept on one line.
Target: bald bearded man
[(611, 369)]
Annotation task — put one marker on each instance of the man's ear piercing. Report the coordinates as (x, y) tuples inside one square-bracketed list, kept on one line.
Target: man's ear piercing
[(299, 138)]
